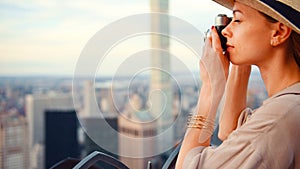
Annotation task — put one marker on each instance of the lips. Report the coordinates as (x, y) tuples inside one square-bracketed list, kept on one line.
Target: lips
[(229, 46)]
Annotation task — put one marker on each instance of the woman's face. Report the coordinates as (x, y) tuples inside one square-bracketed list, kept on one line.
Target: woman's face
[(248, 36)]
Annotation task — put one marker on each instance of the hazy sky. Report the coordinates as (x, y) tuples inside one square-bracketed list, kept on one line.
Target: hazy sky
[(42, 37)]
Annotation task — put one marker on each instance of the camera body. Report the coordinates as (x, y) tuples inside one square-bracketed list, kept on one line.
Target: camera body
[(221, 21)]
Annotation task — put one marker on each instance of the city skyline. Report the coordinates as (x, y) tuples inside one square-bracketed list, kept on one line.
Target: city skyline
[(15, 97), (46, 38)]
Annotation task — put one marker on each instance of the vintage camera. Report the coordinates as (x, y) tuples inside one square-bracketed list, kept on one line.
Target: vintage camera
[(221, 21)]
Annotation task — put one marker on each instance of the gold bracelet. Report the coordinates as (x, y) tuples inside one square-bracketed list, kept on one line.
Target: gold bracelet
[(201, 119), (200, 126), (200, 122)]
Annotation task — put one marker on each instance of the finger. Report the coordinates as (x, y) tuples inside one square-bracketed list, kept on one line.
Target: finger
[(208, 41), (206, 34), (207, 48), (216, 43)]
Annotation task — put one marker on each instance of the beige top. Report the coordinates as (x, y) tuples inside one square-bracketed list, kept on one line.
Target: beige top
[(268, 138)]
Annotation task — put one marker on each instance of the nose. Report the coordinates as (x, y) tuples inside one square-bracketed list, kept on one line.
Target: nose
[(226, 32)]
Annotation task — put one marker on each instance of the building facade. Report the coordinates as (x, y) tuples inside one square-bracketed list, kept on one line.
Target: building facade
[(14, 149), (35, 106), (61, 136), (134, 128)]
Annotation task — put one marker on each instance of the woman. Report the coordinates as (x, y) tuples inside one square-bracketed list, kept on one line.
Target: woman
[(264, 33)]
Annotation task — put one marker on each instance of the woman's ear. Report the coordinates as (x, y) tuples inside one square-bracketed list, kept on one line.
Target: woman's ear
[(280, 34)]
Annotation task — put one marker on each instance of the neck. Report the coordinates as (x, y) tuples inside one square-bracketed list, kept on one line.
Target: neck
[(280, 75)]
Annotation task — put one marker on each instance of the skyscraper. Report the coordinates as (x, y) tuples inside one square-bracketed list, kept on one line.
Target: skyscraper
[(14, 151), (161, 87), (61, 140), (36, 105), (139, 123)]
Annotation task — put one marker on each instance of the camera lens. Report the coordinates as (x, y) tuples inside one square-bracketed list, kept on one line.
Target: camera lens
[(221, 21)]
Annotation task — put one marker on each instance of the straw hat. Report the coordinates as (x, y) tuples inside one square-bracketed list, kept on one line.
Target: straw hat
[(285, 11)]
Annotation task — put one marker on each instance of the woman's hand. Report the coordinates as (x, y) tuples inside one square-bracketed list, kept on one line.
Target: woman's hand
[(213, 64), (214, 67)]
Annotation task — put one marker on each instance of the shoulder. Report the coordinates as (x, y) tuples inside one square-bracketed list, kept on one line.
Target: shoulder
[(287, 97), (284, 103), (280, 113)]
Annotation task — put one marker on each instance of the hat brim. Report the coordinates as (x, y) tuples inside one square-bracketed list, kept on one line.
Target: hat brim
[(266, 9)]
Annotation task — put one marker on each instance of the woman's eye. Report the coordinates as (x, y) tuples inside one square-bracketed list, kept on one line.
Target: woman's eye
[(236, 20)]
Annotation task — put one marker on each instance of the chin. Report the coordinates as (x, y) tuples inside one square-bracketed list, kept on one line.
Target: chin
[(236, 62), (232, 60)]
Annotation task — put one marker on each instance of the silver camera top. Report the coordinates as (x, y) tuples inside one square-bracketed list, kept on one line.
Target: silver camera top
[(222, 20)]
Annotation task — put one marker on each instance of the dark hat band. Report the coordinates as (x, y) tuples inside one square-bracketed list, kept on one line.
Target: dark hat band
[(284, 10)]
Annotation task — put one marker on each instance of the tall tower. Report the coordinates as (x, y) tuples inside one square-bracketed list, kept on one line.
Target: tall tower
[(36, 105), (160, 89)]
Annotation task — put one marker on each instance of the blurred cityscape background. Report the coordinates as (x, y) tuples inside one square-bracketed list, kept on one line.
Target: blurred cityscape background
[(39, 126), (45, 119)]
